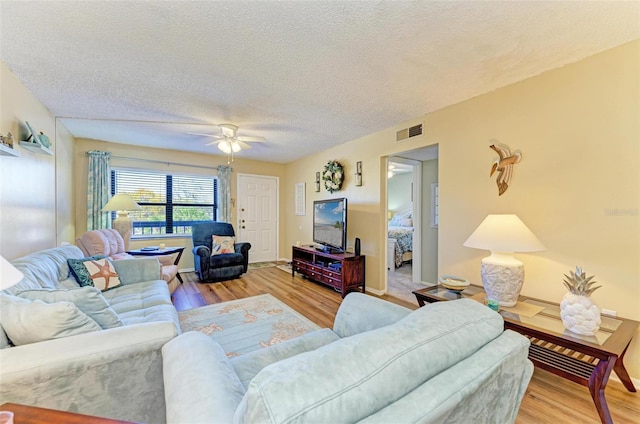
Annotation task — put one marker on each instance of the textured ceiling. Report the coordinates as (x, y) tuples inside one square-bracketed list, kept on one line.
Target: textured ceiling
[(305, 75)]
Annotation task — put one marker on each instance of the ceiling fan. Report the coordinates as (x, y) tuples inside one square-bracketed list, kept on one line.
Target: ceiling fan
[(230, 142)]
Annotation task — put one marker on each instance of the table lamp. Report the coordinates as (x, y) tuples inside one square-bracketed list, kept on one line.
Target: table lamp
[(502, 274), (122, 203), (9, 275)]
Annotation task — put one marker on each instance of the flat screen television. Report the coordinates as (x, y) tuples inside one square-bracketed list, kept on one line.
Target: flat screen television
[(330, 224)]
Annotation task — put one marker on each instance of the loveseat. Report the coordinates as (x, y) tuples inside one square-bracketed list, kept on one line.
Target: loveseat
[(109, 242), (449, 362), (113, 367)]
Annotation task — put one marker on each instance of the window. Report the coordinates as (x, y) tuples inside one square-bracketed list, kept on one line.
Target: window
[(170, 203)]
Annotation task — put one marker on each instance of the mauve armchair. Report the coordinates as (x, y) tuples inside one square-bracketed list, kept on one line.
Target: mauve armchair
[(221, 267)]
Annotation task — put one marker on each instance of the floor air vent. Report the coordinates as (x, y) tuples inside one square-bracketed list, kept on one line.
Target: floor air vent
[(409, 132)]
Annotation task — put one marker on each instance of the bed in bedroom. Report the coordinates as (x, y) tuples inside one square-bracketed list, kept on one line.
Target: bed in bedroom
[(400, 229)]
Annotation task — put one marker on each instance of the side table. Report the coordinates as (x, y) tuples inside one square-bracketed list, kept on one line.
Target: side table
[(169, 250), (24, 414), (587, 360)]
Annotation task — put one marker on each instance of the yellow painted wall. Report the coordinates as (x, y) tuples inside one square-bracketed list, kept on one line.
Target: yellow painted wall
[(577, 186), (35, 189), (240, 166)]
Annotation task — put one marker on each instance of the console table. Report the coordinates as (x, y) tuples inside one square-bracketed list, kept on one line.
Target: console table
[(587, 360), (342, 271), (24, 414)]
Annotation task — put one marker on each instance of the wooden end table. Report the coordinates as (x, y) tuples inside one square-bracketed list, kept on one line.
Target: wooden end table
[(169, 250), (587, 360), (24, 414)]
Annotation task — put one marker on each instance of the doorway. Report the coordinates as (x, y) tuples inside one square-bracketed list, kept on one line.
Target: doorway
[(258, 215), (412, 241)]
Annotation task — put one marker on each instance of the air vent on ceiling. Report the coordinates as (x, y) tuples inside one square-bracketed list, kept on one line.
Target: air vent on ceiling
[(409, 132)]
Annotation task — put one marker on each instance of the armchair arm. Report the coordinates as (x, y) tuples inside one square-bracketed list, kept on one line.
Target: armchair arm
[(201, 258), (92, 373), (243, 248), (360, 312), (131, 271)]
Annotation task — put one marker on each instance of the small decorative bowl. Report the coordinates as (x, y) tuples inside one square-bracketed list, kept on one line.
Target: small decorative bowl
[(453, 283)]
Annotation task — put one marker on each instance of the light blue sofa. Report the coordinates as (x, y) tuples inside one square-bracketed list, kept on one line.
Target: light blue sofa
[(449, 362), (115, 371)]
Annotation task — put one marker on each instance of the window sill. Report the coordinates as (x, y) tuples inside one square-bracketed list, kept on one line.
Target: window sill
[(161, 237)]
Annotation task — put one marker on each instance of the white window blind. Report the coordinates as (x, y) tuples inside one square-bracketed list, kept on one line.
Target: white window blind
[(170, 203)]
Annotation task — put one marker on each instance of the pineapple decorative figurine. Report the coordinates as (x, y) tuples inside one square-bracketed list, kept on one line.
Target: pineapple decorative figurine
[(578, 312)]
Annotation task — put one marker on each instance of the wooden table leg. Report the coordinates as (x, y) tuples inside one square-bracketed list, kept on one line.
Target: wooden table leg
[(621, 371), (597, 383)]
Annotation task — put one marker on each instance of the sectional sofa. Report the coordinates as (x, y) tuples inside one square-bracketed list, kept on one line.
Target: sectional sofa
[(444, 363)]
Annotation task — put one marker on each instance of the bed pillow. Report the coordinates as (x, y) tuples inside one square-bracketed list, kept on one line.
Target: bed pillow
[(95, 272), (88, 299), (401, 220), (222, 244), (27, 321)]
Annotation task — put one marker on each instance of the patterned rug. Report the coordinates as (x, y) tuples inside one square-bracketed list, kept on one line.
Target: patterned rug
[(245, 325)]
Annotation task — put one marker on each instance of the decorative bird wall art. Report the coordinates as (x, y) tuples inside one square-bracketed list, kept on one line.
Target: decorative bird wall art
[(504, 166)]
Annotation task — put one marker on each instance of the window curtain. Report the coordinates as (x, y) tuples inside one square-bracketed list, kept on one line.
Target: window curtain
[(224, 193), (98, 189)]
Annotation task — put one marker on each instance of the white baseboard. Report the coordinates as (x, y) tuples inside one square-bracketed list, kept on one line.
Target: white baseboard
[(187, 270), (374, 291), (635, 381)]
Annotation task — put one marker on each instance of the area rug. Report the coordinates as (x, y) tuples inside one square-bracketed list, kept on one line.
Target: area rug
[(258, 265), (245, 325)]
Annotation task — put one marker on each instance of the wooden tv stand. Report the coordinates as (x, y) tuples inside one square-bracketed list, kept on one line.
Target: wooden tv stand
[(315, 265)]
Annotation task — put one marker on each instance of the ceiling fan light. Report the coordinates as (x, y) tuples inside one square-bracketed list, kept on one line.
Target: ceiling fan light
[(225, 146), (235, 147)]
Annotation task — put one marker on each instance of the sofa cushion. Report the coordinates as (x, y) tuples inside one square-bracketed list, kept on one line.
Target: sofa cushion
[(148, 301), (99, 273), (224, 260), (323, 386), (221, 244), (27, 321), (250, 364), (45, 268), (88, 299), (206, 393)]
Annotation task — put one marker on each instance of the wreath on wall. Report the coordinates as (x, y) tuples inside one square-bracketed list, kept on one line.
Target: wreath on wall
[(333, 176)]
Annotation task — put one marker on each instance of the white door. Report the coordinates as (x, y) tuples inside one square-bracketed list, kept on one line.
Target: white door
[(258, 216)]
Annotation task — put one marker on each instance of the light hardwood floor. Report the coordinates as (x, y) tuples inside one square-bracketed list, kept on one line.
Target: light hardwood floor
[(549, 399)]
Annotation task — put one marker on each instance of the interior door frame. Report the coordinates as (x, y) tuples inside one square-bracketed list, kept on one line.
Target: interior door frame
[(416, 200), (277, 203)]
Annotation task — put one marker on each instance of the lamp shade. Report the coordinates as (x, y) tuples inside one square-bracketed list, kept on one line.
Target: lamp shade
[(504, 233), (9, 275), (121, 202)]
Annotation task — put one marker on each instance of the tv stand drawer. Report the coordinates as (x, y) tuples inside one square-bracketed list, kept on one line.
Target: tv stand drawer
[(342, 271)]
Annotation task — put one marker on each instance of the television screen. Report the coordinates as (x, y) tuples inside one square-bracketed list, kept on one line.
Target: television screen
[(330, 223)]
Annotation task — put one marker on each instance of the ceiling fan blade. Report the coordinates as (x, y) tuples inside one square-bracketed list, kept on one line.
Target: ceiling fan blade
[(206, 135), (256, 139), (213, 143), (243, 144)]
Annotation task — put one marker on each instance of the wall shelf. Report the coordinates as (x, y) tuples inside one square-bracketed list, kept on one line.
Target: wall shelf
[(36, 148), (8, 151)]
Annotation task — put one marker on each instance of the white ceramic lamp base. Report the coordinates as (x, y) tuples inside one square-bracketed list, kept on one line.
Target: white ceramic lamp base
[(502, 278), (123, 225)]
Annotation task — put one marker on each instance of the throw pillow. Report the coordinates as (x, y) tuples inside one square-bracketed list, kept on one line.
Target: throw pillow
[(79, 271), (99, 273), (222, 244), (27, 321), (88, 299)]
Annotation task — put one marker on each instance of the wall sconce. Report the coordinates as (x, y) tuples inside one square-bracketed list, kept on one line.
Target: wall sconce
[(317, 181), (359, 173)]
